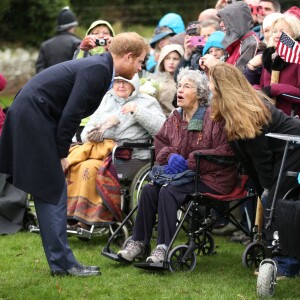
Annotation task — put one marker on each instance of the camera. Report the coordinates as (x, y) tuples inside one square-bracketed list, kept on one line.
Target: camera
[(197, 41), (101, 42)]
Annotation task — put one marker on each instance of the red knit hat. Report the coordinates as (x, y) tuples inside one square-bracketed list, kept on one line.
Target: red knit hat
[(2, 82)]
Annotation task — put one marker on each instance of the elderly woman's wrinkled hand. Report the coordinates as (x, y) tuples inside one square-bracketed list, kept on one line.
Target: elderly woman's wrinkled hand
[(96, 134), (129, 108)]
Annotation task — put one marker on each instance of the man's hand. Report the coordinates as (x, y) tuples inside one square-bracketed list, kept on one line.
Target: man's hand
[(64, 164)]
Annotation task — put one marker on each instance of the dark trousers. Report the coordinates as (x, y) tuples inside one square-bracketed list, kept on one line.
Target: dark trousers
[(165, 201), (53, 223)]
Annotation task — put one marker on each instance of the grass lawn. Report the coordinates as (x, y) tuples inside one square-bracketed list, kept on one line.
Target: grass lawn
[(24, 274)]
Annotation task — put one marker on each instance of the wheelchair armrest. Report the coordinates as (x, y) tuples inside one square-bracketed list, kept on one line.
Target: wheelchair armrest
[(128, 145), (136, 145)]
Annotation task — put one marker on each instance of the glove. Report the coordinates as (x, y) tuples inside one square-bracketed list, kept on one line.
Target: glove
[(167, 170), (264, 197), (177, 163), (96, 134)]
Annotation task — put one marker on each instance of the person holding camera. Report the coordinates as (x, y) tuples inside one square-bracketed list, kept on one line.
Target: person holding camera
[(96, 40)]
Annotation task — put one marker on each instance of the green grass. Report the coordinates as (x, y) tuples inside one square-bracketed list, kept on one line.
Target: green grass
[(24, 274)]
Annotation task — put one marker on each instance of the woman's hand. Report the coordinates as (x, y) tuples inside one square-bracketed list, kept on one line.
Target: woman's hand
[(129, 108), (207, 61), (88, 42), (188, 47), (255, 62)]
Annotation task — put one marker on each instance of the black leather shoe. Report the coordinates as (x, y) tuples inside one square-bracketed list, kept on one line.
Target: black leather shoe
[(92, 268), (78, 270)]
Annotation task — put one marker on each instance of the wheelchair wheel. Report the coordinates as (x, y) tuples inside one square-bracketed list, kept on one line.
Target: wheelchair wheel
[(121, 237), (206, 244), (175, 259), (254, 253), (266, 281), (139, 180)]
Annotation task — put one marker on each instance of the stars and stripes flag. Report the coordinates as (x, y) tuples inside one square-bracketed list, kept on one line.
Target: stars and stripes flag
[(288, 49)]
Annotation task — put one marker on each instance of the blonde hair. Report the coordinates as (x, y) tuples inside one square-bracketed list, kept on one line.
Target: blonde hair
[(236, 102), (126, 42), (293, 23)]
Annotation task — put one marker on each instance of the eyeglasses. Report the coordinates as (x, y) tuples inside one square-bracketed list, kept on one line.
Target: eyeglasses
[(185, 86), (120, 82)]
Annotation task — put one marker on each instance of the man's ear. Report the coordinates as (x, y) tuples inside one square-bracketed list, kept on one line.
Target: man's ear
[(128, 56)]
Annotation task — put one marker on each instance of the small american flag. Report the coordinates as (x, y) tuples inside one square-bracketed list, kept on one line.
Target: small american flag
[(288, 49)]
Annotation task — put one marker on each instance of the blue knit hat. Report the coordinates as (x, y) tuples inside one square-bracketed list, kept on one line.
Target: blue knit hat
[(215, 40)]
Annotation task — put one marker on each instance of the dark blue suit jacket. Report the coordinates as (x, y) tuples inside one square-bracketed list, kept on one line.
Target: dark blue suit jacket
[(44, 117)]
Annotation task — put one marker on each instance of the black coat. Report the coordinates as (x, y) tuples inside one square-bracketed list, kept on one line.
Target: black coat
[(58, 49), (44, 117), (262, 156)]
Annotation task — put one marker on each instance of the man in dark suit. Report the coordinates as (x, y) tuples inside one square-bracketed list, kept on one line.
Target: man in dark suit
[(38, 131)]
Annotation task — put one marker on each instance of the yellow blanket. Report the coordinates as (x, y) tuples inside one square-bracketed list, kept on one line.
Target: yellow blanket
[(84, 203)]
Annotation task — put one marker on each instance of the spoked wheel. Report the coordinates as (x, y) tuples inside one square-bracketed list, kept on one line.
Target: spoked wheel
[(121, 237), (206, 244), (253, 255), (176, 262), (140, 179), (266, 280)]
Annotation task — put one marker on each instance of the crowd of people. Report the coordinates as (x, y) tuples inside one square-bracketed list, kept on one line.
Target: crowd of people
[(217, 85)]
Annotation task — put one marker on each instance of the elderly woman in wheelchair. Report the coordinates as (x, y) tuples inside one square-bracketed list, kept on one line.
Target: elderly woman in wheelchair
[(124, 115), (189, 129)]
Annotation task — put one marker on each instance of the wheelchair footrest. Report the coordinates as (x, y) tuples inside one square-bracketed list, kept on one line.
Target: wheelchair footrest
[(151, 266), (113, 256)]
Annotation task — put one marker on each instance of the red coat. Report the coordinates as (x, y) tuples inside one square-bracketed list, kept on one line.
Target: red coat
[(289, 81), (174, 137)]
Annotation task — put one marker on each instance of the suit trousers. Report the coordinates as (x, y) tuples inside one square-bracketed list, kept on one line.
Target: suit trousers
[(165, 201), (52, 220)]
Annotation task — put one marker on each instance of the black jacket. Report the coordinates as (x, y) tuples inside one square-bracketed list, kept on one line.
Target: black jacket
[(58, 49), (262, 156), (44, 117)]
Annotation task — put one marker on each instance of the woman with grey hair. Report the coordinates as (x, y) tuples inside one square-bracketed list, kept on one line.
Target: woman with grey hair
[(187, 130)]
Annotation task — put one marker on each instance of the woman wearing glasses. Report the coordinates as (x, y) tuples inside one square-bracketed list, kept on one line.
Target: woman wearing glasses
[(187, 130), (124, 115), (96, 40)]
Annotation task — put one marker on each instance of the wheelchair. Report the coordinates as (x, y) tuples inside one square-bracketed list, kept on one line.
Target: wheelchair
[(196, 225), (130, 173), (266, 280)]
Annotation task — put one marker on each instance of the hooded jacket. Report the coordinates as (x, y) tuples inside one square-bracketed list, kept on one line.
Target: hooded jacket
[(137, 127), (167, 86), (240, 42), (215, 40), (81, 53)]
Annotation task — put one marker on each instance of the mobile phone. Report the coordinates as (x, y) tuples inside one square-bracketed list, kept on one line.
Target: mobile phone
[(197, 41)]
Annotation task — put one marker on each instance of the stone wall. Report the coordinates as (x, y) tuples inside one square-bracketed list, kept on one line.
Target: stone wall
[(18, 66)]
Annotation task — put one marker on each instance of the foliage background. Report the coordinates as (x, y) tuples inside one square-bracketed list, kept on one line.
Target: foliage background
[(29, 22)]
